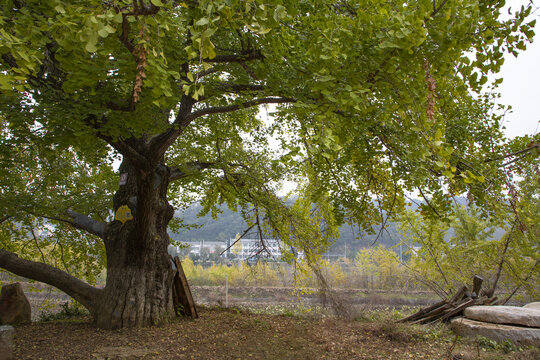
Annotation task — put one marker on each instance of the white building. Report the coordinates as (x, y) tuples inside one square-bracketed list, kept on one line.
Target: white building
[(242, 249)]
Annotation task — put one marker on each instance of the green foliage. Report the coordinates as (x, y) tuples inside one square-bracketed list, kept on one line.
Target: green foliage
[(505, 346), (448, 259), (68, 311)]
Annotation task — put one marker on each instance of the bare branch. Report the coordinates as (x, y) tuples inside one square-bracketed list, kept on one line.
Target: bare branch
[(161, 142), (237, 240), (529, 275), (37, 244), (491, 291), (77, 289), (126, 147)]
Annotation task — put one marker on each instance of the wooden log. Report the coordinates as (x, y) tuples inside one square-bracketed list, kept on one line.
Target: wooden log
[(447, 309), (481, 300), (457, 310), (435, 314), (477, 285), (459, 294), (422, 312), (491, 301)]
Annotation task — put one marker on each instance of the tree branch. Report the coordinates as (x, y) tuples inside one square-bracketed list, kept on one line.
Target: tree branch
[(81, 222), (238, 58), (530, 147), (123, 148), (427, 201), (231, 108), (84, 222), (238, 87), (161, 142), (177, 173), (77, 289), (203, 73), (491, 291), (227, 88), (438, 8)]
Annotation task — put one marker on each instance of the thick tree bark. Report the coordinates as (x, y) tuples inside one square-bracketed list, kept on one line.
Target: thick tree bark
[(139, 272), (139, 289)]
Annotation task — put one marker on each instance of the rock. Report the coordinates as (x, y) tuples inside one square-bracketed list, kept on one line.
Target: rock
[(14, 306), (520, 336), (6, 336), (510, 315), (533, 305)]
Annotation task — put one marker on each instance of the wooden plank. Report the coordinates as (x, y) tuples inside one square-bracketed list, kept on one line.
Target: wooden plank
[(178, 300), (185, 293)]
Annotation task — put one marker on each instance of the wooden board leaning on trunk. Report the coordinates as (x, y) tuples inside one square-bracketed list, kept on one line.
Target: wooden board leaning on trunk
[(184, 305)]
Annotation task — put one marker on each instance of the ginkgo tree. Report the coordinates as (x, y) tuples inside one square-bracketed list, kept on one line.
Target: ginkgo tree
[(369, 100)]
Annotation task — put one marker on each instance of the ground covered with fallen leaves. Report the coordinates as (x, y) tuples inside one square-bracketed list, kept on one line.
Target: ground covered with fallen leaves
[(235, 334)]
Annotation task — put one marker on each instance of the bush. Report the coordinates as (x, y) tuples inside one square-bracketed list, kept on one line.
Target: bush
[(68, 311)]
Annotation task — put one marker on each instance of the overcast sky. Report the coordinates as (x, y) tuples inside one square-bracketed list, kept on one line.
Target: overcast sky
[(521, 85)]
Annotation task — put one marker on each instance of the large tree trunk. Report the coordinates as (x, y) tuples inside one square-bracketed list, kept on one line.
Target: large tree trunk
[(139, 272)]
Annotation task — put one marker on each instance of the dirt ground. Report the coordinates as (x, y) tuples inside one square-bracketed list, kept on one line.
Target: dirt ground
[(234, 334)]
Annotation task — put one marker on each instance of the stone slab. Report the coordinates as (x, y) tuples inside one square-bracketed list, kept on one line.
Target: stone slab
[(6, 337), (533, 305), (521, 336), (510, 315)]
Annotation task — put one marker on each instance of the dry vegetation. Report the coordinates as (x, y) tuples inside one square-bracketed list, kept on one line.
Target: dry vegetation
[(233, 334)]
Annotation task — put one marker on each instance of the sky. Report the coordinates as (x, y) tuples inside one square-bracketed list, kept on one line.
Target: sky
[(521, 85)]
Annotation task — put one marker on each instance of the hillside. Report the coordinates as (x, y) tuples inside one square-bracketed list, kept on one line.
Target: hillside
[(229, 223)]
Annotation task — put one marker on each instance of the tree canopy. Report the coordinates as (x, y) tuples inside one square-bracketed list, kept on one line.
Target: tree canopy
[(367, 102)]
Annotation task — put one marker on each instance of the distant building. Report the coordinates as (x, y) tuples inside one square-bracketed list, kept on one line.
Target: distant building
[(200, 247), (242, 250), (212, 247), (246, 249)]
